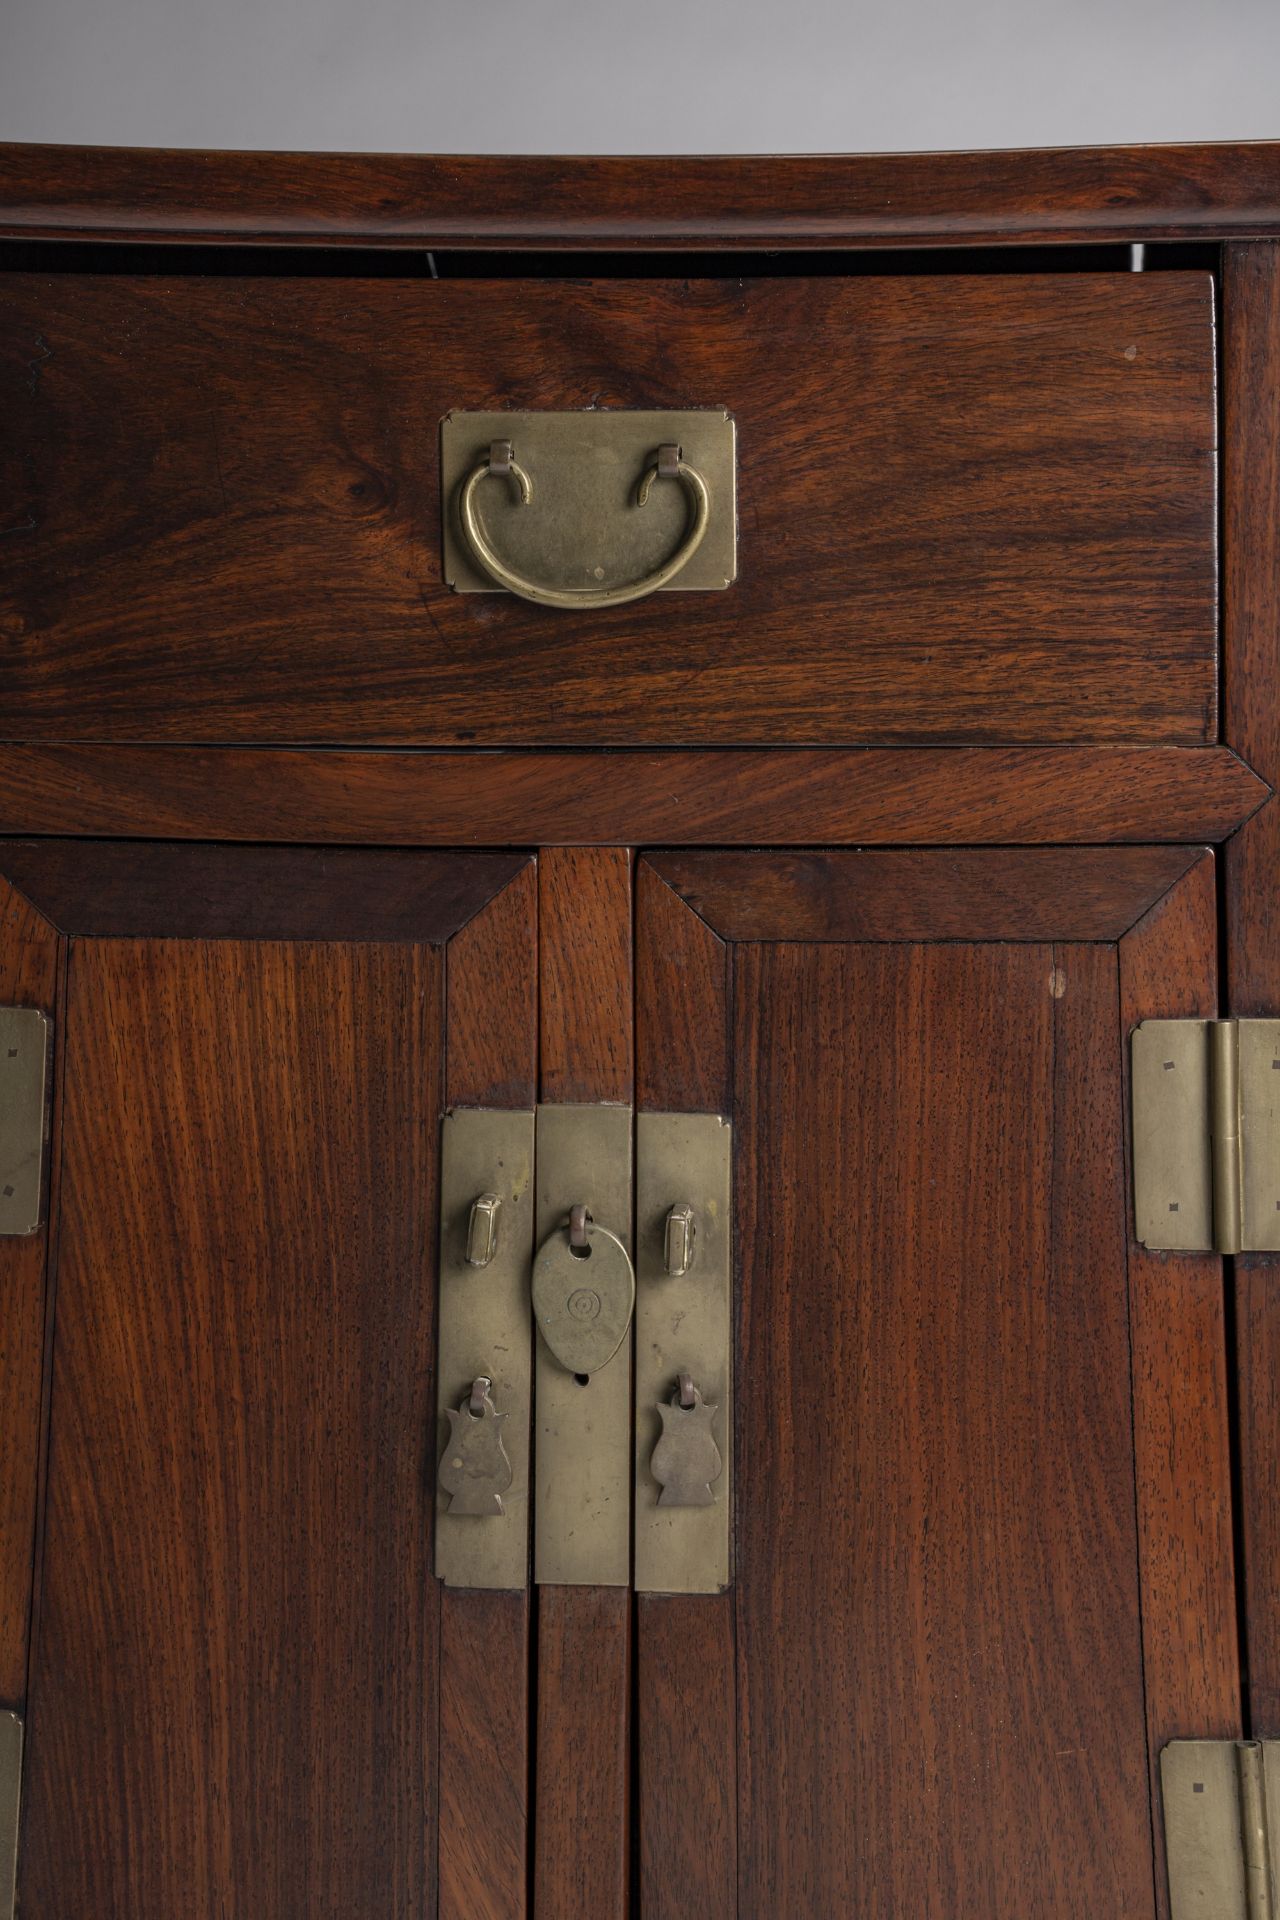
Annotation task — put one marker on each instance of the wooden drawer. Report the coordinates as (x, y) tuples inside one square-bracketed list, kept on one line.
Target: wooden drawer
[(970, 508)]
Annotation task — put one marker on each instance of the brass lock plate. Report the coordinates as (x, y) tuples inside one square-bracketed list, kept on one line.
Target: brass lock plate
[(486, 1332), (582, 528), (582, 1453), (683, 1327)]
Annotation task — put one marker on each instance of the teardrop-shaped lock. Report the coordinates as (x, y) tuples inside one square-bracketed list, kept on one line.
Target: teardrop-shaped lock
[(583, 1296)]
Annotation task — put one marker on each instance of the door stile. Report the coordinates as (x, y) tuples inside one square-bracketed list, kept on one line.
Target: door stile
[(1182, 1449), (32, 965), (685, 1643), (1251, 724), (491, 1060), (581, 1843)]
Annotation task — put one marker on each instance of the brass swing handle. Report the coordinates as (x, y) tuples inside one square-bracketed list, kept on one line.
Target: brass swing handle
[(501, 461)]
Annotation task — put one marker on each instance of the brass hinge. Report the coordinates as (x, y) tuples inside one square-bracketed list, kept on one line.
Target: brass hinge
[(24, 1117), (1206, 1135), (10, 1797), (1221, 1821)]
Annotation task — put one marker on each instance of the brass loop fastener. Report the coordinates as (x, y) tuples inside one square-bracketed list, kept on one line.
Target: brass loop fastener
[(501, 462)]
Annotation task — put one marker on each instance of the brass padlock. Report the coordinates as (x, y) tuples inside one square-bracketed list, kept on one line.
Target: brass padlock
[(584, 1291)]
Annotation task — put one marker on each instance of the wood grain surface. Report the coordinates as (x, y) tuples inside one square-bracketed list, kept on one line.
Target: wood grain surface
[(1082, 893), (471, 200), (1182, 1442), (971, 510), (686, 1786), (30, 953), (139, 888), (238, 1640), (491, 1051), (582, 1824), (802, 796), (1251, 686), (940, 1684)]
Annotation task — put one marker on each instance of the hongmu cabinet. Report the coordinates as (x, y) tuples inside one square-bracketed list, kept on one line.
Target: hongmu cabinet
[(639, 968)]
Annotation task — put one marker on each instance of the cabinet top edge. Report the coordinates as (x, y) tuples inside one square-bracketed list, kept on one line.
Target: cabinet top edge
[(656, 203)]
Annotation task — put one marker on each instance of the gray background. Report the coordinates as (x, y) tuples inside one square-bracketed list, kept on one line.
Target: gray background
[(635, 76)]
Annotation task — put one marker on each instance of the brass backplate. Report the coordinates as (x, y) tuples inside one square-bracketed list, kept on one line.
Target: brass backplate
[(683, 1325), (24, 1117), (582, 528), (1221, 1816), (10, 1798), (1259, 1075), (485, 1328), (582, 1452)]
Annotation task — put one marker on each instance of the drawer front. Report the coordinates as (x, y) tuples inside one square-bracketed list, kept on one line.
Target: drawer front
[(968, 509)]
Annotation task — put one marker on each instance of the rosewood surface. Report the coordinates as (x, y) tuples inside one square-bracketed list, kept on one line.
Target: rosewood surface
[(972, 509), (964, 796), (468, 200)]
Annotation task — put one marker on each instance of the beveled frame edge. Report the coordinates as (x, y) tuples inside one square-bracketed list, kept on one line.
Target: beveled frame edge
[(699, 796), (996, 197), (132, 889)]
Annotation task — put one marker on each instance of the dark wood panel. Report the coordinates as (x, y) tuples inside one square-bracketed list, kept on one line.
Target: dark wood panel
[(1180, 1403), (858, 200), (582, 1825), (484, 1755), (491, 1052), (29, 966), (238, 1634), (492, 1028), (686, 1686), (939, 1648), (1251, 554), (682, 1009), (584, 917), (937, 796), (222, 510), (119, 890), (583, 1790), (1084, 893)]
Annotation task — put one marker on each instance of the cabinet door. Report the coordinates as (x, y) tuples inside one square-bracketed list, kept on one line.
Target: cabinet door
[(983, 1558), (247, 1693)]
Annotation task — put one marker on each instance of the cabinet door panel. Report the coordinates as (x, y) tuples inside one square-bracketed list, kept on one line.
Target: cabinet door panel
[(236, 1678), (939, 1603)]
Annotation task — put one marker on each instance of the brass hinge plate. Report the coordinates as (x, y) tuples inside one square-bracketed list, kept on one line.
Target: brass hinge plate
[(683, 1328), (485, 1332), (1206, 1135), (1222, 1821), (10, 1801), (24, 1117)]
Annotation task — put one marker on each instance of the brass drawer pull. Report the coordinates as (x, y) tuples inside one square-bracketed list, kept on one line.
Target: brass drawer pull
[(501, 462)]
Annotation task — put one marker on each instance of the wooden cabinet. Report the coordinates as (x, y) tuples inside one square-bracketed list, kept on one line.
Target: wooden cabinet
[(881, 854)]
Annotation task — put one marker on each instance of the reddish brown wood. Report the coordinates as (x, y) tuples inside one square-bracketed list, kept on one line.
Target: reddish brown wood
[(222, 510), (939, 1650), (29, 961), (1180, 1404), (136, 889), (582, 1825), (1251, 551), (238, 1634), (492, 1026), (682, 1010), (915, 199), (686, 1691), (491, 1051), (584, 916), (1082, 893), (582, 1821), (937, 796)]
